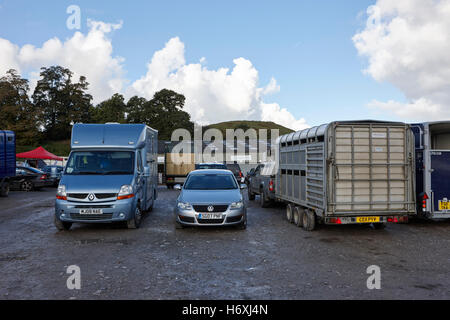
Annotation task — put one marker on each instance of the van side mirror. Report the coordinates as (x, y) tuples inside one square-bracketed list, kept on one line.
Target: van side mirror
[(146, 171)]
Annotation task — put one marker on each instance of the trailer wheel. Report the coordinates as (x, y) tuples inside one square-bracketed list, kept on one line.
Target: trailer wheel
[(309, 220), (4, 191), (251, 195), (289, 213), (379, 226), (298, 216)]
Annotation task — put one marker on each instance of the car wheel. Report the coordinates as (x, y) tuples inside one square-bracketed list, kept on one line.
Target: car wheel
[(309, 220), (135, 222), (289, 213), (26, 186), (379, 226), (61, 225), (178, 225), (298, 216), (251, 195), (263, 200), (243, 225), (4, 191)]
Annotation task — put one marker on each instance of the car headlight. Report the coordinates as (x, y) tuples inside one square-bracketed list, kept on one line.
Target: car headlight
[(61, 192), (125, 192), (237, 205), (184, 206)]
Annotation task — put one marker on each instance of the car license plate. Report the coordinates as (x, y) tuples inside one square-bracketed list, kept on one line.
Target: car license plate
[(367, 219), (210, 216), (444, 205), (91, 211)]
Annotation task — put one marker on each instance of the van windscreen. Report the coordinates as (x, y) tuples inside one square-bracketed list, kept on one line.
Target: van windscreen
[(100, 162)]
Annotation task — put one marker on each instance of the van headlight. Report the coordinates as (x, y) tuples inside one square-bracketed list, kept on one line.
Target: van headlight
[(125, 192), (237, 205), (61, 192), (184, 206)]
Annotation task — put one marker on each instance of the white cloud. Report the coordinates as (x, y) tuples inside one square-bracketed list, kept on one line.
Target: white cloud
[(89, 55), (407, 43), (212, 95)]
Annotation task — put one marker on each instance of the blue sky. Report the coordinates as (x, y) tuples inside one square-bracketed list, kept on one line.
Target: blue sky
[(305, 45)]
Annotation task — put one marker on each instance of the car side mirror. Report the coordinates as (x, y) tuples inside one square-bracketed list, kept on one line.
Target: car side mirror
[(177, 187), (243, 186), (146, 171)]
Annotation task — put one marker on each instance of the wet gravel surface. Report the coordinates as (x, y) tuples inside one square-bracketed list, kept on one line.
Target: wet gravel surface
[(272, 259)]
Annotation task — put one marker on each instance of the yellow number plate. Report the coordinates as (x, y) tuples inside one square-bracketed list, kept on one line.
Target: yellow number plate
[(444, 205), (367, 219)]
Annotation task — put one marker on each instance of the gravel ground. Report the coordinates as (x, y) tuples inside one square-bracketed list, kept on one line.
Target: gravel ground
[(272, 259)]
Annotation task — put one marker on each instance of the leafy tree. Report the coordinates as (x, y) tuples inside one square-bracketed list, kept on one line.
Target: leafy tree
[(163, 112), (59, 102), (16, 109), (111, 110)]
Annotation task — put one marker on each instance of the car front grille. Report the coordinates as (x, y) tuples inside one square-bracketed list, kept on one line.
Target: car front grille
[(216, 208), (91, 217), (210, 221)]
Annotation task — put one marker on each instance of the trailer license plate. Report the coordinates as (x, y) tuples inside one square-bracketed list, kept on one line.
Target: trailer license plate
[(367, 219), (444, 205), (205, 216), (91, 211)]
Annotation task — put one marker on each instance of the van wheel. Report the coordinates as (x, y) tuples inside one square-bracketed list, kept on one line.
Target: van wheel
[(135, 222), (251, 195), (61, 225), (4, 191), (309, 220), (263, 200), (289, 213), (298, 216)]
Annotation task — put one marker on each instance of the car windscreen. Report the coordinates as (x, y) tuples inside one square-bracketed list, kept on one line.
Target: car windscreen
[(210, 181), (100, 162)]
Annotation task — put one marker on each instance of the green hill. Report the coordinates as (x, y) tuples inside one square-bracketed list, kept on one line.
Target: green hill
[(245, 125)]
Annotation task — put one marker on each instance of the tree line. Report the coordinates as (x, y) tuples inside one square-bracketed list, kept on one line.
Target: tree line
[(58, 101)]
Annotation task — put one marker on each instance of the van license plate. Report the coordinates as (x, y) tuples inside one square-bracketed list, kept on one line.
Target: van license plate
[(91, 211), (210, 216), (367, 219), (444, 205)]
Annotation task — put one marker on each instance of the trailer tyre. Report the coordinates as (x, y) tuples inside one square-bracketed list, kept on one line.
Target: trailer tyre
[(298, 216), (309, 220), (379, 226), (289, 213)]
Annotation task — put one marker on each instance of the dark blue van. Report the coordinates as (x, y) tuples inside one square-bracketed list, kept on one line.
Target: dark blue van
[(7, 160), (432, 140)]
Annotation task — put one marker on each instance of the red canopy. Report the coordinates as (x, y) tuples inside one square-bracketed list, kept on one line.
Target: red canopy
[(38, 153)]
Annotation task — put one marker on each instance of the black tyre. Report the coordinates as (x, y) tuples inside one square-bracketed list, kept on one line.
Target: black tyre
[(61, 225), (289, 213), (298, 216), (263, 201), (309, 220), (251, 195), (26, 185), (242, 225), (4, 190), (135, 222), (379, 226)]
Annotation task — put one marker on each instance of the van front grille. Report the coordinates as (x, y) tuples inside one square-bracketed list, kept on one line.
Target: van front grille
[(91, 217)]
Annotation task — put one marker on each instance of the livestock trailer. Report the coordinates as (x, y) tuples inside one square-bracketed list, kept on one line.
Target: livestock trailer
[(7, 160), (432, 141), (347, 172), (179, 161)]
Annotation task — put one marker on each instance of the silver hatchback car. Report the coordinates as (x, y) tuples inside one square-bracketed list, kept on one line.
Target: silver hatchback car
[(211, 197)]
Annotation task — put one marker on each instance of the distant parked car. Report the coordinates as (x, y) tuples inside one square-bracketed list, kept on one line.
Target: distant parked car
[(236, 169), (210, 198), (54, 172), (200, 166), (28, 179)]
